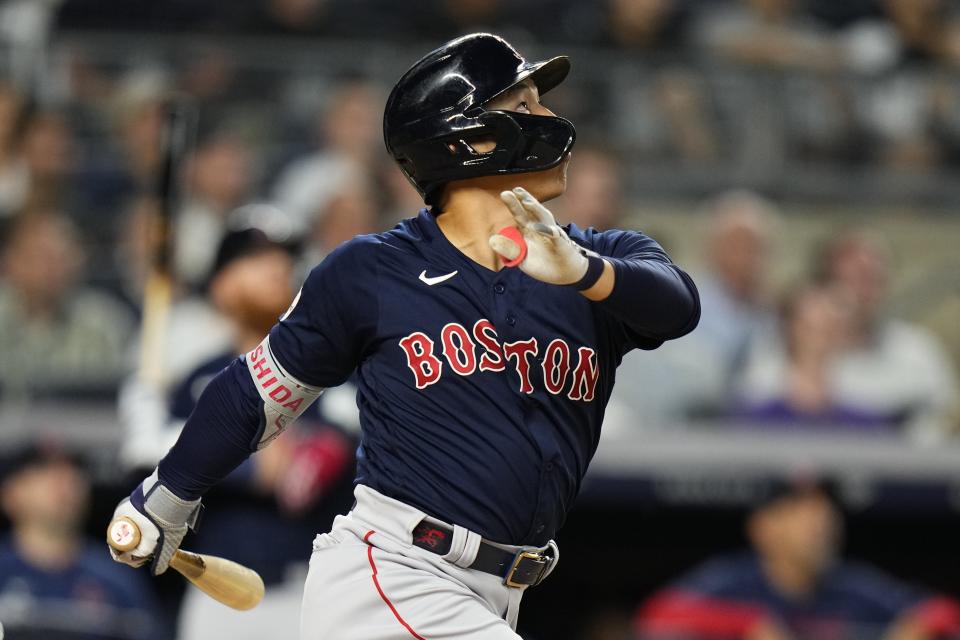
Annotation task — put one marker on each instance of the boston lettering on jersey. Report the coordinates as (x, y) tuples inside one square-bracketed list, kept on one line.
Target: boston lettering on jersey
[(459, 351), (481, 394)]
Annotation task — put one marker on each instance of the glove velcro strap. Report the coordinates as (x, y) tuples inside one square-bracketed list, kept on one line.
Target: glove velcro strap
[(167, 509)]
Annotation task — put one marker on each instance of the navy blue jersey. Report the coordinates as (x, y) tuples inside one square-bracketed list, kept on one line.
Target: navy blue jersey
[(725, 597), (481, 393)]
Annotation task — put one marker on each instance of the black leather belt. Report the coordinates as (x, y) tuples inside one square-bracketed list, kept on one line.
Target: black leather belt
[(517, 569)]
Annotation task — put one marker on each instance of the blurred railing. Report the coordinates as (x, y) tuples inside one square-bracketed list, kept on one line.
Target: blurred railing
[(708, 464), (718, 464)]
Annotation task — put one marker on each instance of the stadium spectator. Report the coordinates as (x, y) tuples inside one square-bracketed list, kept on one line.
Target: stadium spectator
[(58, 336), (350, 210), (894, 367), (312, 18), (792, 585), (131, 255), (122, 165), (291, 17), (772, 33), (691, 378), (902, 110), (14, 178), (646, 24), (466, 16), (137, 115), (792, 380), (899, 114), (221, 178), (46, 148), (734, 290), (924, 27), (54, 584), (666, 114), (348, 140)]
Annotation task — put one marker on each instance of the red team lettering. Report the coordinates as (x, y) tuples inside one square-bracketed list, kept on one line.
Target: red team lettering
[(426, 367), (492, 358), (460, 352), (459, 349), (556, 366), (520, 350), (585, 375)]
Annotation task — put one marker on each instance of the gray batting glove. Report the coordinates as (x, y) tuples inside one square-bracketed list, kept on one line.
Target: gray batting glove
[(551, 257), (163, 520)]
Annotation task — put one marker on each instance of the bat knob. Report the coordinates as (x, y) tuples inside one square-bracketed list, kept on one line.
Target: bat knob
[(123, 534)]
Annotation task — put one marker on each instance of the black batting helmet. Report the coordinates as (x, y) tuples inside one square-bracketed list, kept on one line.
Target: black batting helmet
[(436, 109)]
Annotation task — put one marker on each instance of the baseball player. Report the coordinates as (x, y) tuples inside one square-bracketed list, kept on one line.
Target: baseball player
[(484, 338)]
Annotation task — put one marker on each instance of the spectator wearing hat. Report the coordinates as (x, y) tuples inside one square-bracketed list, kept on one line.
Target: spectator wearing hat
[(54, 584), (792, 585)]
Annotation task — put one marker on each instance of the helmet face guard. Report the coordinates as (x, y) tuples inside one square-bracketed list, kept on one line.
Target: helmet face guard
[(524, 143), (435, 111)]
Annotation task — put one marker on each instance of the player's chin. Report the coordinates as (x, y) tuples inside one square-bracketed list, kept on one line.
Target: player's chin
[(550, 184)]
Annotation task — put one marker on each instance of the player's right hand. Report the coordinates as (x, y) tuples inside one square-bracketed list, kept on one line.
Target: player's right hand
[(551, 257), (163, 520)]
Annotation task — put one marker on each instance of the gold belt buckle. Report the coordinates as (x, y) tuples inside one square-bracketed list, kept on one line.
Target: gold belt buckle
[(524, 555)]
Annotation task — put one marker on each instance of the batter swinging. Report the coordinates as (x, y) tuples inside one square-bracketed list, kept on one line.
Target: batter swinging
[(482, 386)]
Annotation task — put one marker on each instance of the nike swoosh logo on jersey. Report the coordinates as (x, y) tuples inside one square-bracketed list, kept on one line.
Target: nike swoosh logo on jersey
[(436, 279)]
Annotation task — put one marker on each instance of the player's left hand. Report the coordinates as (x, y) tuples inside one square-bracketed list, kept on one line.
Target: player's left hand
[(552, 257), (163, 519)]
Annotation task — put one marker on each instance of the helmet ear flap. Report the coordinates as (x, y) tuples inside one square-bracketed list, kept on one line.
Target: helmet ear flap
[(504, 131), (466, 148)]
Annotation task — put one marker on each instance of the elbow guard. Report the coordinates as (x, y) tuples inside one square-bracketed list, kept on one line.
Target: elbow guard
[(284, 397)]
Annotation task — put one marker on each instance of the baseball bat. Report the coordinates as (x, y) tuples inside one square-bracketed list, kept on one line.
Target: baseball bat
[(223, 580)]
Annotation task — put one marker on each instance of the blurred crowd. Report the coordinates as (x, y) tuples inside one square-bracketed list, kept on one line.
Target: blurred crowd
[(303, 158), (750, 88), (821, 355), (286, 166), (76, 250)]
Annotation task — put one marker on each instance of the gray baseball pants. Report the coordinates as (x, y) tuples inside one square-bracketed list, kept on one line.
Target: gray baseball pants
[(368, 582)]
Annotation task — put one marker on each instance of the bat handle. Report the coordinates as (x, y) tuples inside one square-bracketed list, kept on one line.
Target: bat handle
[(123, 534)]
